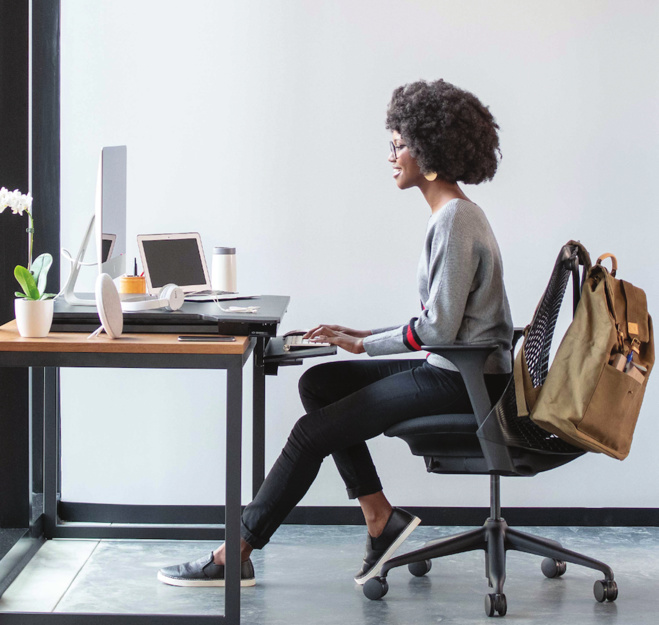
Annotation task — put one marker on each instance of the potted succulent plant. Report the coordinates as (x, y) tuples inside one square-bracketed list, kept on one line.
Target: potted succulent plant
[(33, 306)]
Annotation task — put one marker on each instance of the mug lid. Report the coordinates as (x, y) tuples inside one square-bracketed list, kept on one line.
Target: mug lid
[(224, 250)]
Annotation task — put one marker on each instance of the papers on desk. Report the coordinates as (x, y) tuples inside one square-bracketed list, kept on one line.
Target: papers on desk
[(220, 297), (240, 309)]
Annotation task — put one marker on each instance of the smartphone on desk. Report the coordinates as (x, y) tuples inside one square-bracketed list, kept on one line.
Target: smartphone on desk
[(204, 338)]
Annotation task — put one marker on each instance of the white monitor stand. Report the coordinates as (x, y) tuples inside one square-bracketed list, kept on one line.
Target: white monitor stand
[(76, 263)]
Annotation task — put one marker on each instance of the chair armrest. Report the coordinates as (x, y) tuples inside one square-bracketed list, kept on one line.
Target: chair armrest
[(455, 348), (459, 347), (470, 361)]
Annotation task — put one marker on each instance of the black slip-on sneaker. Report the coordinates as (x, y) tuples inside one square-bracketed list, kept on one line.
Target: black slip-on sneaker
[(378, 550), (204, 572)]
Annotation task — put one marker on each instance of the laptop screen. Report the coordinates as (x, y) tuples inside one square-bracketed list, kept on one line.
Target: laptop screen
[(176, 261)]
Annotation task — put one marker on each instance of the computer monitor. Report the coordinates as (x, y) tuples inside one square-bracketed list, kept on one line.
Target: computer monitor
[(107, 225), (110, 211)]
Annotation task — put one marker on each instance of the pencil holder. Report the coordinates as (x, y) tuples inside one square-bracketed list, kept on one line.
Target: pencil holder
[(132, 284)]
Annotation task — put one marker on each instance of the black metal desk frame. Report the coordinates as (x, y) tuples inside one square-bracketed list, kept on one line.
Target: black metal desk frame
[(48, 364)]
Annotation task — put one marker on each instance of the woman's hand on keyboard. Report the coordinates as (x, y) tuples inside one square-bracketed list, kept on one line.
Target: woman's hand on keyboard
[(339, 336), (360, 334)]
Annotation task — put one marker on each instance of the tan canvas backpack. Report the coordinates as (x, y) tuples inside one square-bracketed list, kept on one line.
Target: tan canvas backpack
[(595, 386)]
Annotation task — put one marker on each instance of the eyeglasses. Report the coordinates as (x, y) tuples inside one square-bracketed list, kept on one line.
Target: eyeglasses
[(393, 148)]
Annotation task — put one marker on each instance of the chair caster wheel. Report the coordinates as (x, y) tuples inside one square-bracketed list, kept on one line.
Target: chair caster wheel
[(376, 588), (553, 568), (605, 590), (496, 603), (419, 569)]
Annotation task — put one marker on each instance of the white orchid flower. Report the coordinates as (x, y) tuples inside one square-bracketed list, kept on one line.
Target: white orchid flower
[(22, 203), (15, 200), (4, 199)]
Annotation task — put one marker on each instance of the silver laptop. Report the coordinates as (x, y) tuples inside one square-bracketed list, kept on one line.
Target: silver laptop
[(177, 258)]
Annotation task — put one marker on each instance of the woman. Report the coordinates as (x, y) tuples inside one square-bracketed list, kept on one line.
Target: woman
[(441, 135)]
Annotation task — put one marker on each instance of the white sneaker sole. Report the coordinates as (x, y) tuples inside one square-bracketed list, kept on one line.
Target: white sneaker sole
[(389, 552), (172, 581)]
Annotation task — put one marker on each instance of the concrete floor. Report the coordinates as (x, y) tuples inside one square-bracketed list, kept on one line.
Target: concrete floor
[(305, 576)]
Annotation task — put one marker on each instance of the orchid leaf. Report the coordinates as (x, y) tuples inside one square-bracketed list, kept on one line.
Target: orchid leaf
[(47, 295), (19, 294), (26, 280), (40, 268)]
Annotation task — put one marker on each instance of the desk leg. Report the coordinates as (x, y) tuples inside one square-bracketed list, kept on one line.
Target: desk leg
[(36, 441), (232, 509), (258, 417), (14, 448), (51, 442)]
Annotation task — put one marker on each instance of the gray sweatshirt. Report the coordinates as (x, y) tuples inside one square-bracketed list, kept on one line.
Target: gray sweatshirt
[(463, 297)]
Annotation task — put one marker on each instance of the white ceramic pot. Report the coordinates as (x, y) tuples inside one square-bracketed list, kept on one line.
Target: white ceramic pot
[(34, 317)]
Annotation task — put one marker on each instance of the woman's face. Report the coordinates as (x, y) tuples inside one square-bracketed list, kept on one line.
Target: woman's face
[(406, 172)]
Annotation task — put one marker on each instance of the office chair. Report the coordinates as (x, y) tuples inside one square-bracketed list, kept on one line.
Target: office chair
[(495, 441)]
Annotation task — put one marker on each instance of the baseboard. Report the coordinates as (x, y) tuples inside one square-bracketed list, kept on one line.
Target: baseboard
[(351, 515)]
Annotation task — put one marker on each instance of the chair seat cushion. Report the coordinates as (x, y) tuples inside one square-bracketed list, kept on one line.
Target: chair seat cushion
[(444, 423), (449, 444), (446, 435)]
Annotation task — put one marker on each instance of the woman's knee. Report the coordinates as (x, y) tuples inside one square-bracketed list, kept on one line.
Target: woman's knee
[(308, 380), (313, 386)]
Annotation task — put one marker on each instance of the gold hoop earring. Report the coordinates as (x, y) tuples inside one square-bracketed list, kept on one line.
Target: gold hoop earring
[(430, 176)]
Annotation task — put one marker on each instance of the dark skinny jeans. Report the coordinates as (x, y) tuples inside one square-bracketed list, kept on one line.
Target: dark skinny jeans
[(348, 403)]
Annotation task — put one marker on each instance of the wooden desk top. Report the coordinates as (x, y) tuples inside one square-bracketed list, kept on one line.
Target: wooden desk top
[(11, 341)]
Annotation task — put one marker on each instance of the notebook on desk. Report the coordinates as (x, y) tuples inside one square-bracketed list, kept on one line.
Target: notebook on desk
[(178, 258)]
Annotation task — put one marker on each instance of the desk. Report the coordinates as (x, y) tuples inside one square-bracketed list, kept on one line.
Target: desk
[(153, 351), (203, 317)]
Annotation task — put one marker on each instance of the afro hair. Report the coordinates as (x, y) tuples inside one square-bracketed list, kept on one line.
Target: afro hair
[(447, 130)]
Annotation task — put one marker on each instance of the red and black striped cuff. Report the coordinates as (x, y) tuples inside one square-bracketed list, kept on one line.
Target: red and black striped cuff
[(410, 337)]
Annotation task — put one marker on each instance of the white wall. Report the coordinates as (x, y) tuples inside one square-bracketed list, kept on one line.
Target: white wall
[(260, 125)]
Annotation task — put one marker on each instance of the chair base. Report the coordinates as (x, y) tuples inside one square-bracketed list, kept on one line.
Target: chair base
[(495, 538)]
